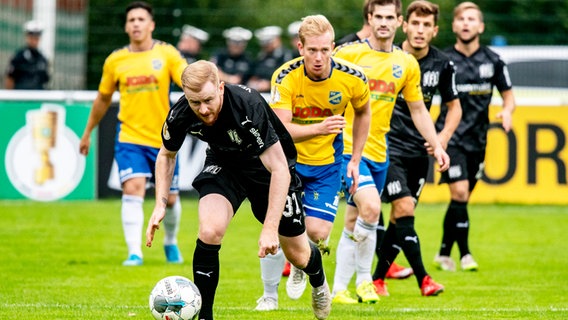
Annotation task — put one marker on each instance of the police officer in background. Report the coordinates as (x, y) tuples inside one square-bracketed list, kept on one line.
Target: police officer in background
[(233, 61), (272, 55), (190, 43), (27, 69), (293, 35)]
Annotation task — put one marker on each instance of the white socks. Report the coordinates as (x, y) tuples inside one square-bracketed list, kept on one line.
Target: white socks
[(171, 223), (366, 235), (271, 268), (345, 261), (132, 214)]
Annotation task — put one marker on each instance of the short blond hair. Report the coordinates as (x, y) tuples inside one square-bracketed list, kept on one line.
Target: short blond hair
[(198, 73), (315, 25), (465, 6)]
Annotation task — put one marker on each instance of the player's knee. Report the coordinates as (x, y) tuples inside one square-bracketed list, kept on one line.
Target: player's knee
[(370, 211), (403, 207), (210, 235), (172, 199)]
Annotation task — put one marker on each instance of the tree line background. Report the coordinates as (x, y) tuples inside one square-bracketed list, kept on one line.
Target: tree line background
[(520, 22)]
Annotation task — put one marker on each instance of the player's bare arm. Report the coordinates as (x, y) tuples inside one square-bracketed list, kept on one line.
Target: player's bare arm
[(274, 160), (99, 109), (300, 132), (453, 118), (361, 123), (423, 122), (506, 115), (165, 165)]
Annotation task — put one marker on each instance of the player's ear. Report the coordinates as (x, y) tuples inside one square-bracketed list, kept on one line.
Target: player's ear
[(435, 31), (221, 87), (301, 48)]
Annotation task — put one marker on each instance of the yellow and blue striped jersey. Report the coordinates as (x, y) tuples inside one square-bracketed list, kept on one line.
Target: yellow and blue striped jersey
[(143, 80), (389, 74), (312, 101)]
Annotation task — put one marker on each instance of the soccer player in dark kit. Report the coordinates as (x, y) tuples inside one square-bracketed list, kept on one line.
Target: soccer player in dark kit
[(478, 71), (408, 168), (250, 155)]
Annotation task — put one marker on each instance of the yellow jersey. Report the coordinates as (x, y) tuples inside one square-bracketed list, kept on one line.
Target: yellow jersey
[(389, 74), (143, 80), (312, 101)]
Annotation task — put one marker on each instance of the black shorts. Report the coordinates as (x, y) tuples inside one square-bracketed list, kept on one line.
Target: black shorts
[(464, 166), (236, 185), (406, 176)]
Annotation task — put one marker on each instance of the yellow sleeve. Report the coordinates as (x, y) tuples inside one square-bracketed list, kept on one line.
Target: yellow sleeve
[(361, 95), (108, 79), (177, 64), (280, 93)]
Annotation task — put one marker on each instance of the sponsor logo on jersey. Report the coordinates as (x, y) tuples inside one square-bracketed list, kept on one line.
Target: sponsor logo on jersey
[(256, 134), (334, 97), (141, 80), (396, 71), (378, 85), (475, 88), (311, 112), (234, 136)]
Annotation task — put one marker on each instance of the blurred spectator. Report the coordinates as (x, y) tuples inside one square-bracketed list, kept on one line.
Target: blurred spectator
[(293, 29), (272, 55), (233, 61), (363, 33), (28, 68), (190, 43)]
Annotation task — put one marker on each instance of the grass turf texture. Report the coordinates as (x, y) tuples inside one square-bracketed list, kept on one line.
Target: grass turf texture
[(63, 261)]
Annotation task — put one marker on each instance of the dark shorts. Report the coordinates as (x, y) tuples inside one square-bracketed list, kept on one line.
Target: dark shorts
[(464, 166), (237, 185), (406, 176)]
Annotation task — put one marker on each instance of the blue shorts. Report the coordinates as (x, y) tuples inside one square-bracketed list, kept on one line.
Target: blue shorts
[(140, 161), (321, 186), (371, 174)]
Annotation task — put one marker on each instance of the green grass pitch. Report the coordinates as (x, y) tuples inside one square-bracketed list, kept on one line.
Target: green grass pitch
[(63, 261)]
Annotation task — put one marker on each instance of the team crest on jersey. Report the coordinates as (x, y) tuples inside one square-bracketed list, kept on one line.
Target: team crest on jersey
[(334, 97), (486, 70), (234, 136), (157, 64), (396, 71)]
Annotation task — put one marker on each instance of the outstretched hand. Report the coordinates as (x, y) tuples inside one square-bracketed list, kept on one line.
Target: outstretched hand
[(154, 224)]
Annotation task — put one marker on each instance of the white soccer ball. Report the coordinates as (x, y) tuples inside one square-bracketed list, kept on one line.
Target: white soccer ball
[(175, 298)]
